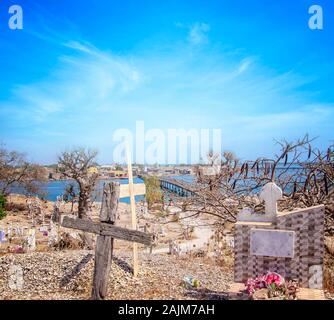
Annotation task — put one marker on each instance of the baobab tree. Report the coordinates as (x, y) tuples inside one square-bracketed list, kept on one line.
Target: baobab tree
[(16, 171), (77, 164)]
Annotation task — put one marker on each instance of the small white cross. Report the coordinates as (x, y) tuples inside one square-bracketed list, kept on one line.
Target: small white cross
[(270, 193)]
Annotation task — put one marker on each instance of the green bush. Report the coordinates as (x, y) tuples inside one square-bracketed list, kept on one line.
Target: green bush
[(154, 195), (2, 206)]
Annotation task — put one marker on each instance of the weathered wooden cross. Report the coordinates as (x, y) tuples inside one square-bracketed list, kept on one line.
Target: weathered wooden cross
[(107, 232)]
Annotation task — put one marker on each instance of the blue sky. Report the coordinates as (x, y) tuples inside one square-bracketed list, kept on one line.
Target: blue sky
[(79, 70)]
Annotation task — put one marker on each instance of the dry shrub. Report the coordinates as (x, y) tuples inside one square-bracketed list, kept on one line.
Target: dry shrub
[(329, 244), (15, 207), (329, 265), (226, 260), (197, 253), (329, 280), (42, 247), (68, 242)]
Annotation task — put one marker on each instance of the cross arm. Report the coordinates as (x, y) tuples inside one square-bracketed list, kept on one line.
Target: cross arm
[(138, 190), (106, 229)]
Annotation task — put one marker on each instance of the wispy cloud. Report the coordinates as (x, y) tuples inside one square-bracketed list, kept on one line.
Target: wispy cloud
[(254, 135), (198, 33), (91, 92), (86, 81), (244, 65)]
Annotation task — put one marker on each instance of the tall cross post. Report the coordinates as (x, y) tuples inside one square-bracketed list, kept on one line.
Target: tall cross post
[(133, 209)]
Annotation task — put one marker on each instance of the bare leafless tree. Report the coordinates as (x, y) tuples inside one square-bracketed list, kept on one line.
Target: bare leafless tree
[(77, 164), (16, 171), (305, 174)]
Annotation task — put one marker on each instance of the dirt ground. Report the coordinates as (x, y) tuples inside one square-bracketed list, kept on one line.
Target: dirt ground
[(163, 225), (52, 275), (68, 275)]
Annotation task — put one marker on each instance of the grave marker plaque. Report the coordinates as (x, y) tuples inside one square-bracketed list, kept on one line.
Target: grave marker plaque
[(272, 243)]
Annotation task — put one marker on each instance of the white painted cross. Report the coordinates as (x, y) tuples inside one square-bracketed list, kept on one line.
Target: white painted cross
[(271, 193), (132, 190)]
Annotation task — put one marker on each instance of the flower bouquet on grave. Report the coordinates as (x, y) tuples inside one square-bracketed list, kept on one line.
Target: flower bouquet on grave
[(292, 287), (17, 249), (190, 282), (271, 286)]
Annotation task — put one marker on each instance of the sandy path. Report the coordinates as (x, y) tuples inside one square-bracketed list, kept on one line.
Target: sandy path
[(202, 233)]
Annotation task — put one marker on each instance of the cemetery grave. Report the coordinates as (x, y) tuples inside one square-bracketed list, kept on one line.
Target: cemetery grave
[(288, 243)]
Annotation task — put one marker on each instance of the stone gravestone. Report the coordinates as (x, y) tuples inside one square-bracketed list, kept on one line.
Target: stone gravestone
[(15, 277), (53, 234), (289, 243), (31, 240)]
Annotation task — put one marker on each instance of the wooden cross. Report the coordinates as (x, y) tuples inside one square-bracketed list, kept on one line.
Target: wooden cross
[(133, 208), (270, 193), (107, 232)]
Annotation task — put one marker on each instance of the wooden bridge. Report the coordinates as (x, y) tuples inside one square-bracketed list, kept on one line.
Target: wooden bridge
[(181, 188), (184, 189)]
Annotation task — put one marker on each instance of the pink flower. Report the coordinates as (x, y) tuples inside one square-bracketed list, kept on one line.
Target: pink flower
[(274, 278), (263, 282)]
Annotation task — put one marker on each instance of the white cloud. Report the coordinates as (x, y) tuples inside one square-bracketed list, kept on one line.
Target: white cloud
[(252, 136), (83, 47), (88, 80), (269, 122), (91, 92), (244, 65), (198, 33)]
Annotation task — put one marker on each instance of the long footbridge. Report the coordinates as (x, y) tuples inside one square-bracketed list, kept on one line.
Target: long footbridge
[(177, 186), (181, 188), (184, 189)]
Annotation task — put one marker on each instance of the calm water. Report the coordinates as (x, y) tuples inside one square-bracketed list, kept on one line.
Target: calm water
[(187, 178), (57, 188)]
